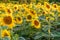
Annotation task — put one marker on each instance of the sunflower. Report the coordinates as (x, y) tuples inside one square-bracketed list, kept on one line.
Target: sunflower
[(8, 10), (5, 33), (18, 20), (15, 7), (33, 13), (29, 17), (36, 24), (58, 9), (47, 6), (26, 9), (7, 20), (2, 6), (24, 5), (38, 5), (54, 7), (45, 12)]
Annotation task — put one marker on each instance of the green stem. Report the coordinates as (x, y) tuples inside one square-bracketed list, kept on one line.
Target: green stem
[(0, 33)]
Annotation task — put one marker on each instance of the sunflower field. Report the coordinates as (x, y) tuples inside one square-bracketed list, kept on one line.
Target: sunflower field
[(29, 19)]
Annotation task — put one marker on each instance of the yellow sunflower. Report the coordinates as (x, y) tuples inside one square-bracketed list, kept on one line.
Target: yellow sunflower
[(54, 7), (15, 7), (47, 6), (8, 20), (36, 24), (2, 6), (18, 20), (45, 12), (5, 33), (24, 5), (38, 5), (58, 9), (8, 10), (29, 17), (26, 9), (33, 13)]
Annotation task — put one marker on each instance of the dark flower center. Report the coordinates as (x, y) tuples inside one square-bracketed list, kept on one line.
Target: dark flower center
[(55, 6), (32, 12), (7, 20), (5, 34), (29, 17), (47, 6), (8, 10), (36, 22), (19, 19)]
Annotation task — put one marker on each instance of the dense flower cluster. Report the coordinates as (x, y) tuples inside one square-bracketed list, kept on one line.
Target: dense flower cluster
[(37, 16)]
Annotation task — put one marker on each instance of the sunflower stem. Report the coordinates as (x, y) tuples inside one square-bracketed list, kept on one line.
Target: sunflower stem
[(0, 33)]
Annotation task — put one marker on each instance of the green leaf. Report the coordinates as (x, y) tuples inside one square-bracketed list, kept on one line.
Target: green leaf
[(21, 38), (6, 38)]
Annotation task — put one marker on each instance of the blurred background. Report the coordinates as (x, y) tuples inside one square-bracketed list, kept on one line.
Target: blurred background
[(33, 1), (29, 1)]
